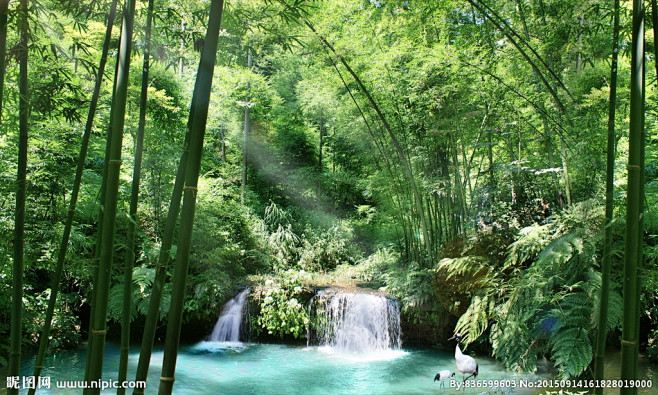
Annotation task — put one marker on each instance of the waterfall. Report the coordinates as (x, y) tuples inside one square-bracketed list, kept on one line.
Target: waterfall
[(227, 328), (358, 323)]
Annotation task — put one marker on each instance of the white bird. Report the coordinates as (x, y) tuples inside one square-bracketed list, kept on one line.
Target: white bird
[(443, 375), (465, 363)]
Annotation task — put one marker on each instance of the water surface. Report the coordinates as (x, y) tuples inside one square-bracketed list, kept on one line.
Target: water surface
[(237, 368)]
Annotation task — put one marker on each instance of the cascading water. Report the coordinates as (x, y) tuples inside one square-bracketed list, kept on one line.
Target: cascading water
[(227, 328), (358, 323)]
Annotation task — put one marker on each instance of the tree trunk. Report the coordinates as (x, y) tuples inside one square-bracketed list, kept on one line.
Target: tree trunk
[(134, 199), (197, 131), (565, 169), (61, 256), (223, 148), (182, 48), (102, 285), (609, 204), (320, 135), (15, 337), (629, 343), (4, 5), (245, 137)]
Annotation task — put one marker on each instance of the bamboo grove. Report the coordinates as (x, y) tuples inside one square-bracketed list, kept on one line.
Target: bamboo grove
[(457, 152)]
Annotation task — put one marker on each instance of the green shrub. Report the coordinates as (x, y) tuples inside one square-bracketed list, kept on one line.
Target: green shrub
[(65, 330), (328, 249), (281, 310), (542, 300)]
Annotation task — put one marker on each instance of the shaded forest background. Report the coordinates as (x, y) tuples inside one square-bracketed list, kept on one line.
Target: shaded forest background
[(452, 153)]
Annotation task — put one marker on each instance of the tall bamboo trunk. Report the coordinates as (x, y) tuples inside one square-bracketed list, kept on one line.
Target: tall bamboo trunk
[(99, 230), (134, 201), (565, 169), (245, 137), (609, 204), (181, 62), (164, 258), (15, 337), (4, 6), (320, 143), (223, 147), (61, 256), (197, 131), (102, 286), (629, 343)]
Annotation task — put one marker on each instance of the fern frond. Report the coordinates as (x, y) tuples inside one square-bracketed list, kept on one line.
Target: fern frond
[(513, 346), (462, 266), (475, 320), (531, 241), (571, 349)]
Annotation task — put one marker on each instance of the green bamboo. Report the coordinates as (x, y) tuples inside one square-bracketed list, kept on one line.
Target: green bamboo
[(15, 337), (102, 286), (629, 342), (4, 6), (197, 131), (150, 325), (134, 200), (97, 250), (245, 136), (61, 256), (427, 241), (609, 207), (99, 230), (164, 258), (481, 7)]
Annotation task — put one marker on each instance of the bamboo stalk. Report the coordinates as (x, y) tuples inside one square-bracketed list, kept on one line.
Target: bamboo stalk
[(629, 343), (245, 136), (606, 265), (134, 201), (43, 339), (102, 286), (4, 6), (197, 132), (15, 336)]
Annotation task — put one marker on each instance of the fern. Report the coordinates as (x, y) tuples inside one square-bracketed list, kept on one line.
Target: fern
[(571, 349), (513, 345), (475, 321), (542, 300), (143, 278), (550, 309), (615, 301), (472, 272), (531, 241)]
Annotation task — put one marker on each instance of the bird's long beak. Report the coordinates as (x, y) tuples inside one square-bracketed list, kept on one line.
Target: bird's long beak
[(452, 338)]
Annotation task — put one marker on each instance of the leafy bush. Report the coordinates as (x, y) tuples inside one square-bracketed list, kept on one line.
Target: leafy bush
[(65, 329), (542, 300), (652, 347), (281, 310), (143, 278), (328, 249), (314, 250)]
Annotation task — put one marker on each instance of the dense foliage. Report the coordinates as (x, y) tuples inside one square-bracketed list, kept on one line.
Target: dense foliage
[(451, 153)]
